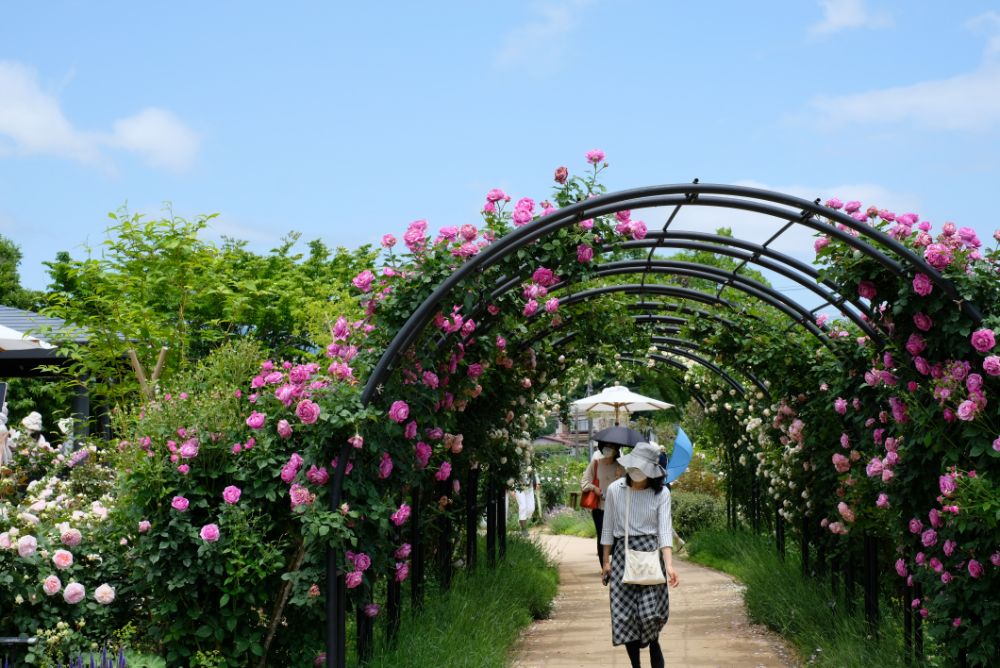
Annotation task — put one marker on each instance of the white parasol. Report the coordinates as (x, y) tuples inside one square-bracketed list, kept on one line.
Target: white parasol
[(615, 398)]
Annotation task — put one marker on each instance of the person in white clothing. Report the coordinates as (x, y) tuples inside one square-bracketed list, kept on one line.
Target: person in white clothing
[(524, 494)]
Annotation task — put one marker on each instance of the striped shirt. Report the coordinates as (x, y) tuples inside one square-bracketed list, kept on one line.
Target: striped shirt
[(650, 514)]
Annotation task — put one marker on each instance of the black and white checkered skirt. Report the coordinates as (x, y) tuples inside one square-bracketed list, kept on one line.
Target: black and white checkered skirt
[(638, 612)]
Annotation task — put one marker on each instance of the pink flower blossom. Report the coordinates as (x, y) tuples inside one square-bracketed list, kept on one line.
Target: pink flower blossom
[(422, 452), (403, 552), (916, 526), (71, 537), (399, 411), (595, 156), (402, 570), (841, 463), (209, 533), (256, 420), (371, 610), (530, 308), (584, 253), (385, 466), (388, 241), (300, 496), (552, 305), (444, 472), (179, 503), (74, 593), (144, 526), (231, 494), (948, 548), (922, 285), (923, 322), (62, 559), (357, 441), (845, 511), (882, 501), (495, 195), (840, 405), (52, 585), (929, 538), (587, 225), (947, 485), (401, 515), (284, 429), (983, 340), (967, 410), (867, 290), (975, 569), (307, 411), (901, 570), (410, 431), (317, 476), (104, 594), (353, 579)]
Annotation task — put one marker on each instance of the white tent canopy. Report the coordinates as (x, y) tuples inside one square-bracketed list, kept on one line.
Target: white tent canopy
[(11, 339)]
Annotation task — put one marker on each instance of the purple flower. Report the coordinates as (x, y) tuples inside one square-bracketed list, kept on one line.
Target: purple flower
[(385, 466), (179, 503), (595, 156), (399, 411), (353, 579), (402, 570), (403, 551), (308, 411), (967, 410), (975, 569), (400, 516), (371, 610), (929, 538), (947, 485), (983, 340), (922, 285), (916, 526), (422, 452), (256, 420), (362, 561)]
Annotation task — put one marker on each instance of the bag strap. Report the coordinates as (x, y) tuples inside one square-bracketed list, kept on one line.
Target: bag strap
[(597, 465), (628, 510)]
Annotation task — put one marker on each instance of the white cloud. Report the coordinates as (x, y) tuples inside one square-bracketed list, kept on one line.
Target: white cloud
[(963, 102), (158, 136), (32, 122), (990, 22), (843, 14), (969, 101), (541, 43)]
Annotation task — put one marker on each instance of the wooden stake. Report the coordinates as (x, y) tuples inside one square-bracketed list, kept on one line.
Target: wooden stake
[(159, 364), (139, 373)]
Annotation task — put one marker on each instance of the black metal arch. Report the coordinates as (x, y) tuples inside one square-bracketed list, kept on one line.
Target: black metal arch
[(676, 342), (695, 394), (794, 210), (711, 366)]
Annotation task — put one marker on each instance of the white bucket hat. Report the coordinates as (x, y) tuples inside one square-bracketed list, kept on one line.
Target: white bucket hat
[(645, 457)]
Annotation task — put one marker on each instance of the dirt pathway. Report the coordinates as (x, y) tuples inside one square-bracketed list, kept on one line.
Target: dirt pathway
[(708, 625)]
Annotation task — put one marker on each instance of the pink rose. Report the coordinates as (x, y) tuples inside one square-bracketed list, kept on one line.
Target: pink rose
[(867, 290), (256, 420), (947, 485), (51, 586), (363, 281), (74, 593), (552, 305), (975, 569), (231, 494), (371, 610), (400, 516), (71, 537), (967, 410), (991, 365), (179, 503), (983, 340), (399, 411), (928, 538), (26, 546), (444, 472), (882, 501), (916, 526), (922, 285), (845, 512), (353, 579), (210, 533), (307, 411), (402, 570), (595, 156), (422, 452), (923, 322), (63, 559), (530, 308), (105, 594), (841, 463), (403, 552), (284, 429), (840, 405), (388, 241), (821, 243), (144, 526), (300, 496), (561, 175), (385, 466), (584, 253)]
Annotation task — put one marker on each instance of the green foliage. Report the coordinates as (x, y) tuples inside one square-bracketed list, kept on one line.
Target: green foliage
[(11, 291), (802, 610), (569, 522), (559, 475), (477, 621), (693, 512), (157, 283)]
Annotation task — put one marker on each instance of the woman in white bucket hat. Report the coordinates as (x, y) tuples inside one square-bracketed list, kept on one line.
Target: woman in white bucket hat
[(638, 506)]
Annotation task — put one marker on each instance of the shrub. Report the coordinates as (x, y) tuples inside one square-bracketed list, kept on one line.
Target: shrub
[(569, 522), (693, 512)]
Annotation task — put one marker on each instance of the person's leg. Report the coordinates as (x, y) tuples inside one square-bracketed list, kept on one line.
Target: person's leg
[(598, 516), (633, 653), (522, 510), (656, 655), (529, 504)]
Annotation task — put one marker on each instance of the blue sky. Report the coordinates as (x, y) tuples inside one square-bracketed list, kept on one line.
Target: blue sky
[(347, 120)]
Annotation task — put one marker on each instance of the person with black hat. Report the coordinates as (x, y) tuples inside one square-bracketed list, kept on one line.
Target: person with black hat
[(637, 512), (604, 469)]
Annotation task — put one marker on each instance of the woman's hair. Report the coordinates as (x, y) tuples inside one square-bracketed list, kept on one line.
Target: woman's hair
[(655, 484)]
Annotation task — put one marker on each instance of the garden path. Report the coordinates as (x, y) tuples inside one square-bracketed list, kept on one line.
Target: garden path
[(708, 624)]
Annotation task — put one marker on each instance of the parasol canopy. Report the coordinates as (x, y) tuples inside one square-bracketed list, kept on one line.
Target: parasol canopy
[(618, 435), (11, 339), (618, 397), (680, 457)]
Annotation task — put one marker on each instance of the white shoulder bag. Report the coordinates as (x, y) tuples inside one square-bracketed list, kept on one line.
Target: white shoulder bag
[(641, 568)]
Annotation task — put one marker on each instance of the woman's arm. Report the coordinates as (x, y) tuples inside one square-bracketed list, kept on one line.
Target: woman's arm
[(665, 531)]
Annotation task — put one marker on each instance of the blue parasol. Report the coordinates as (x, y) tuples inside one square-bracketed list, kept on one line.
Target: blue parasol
[(680, 457)]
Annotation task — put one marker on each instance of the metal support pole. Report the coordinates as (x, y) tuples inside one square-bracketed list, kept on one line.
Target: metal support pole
[(918, 626), (417, 552), (779, 533), (491, 520), (908, 622), (393, 596), (850, 579), (502, 520), (871, 582), (364, 632), (336, 618)]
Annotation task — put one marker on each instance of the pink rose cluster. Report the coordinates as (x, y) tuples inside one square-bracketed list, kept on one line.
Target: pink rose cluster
[(628, 227)]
